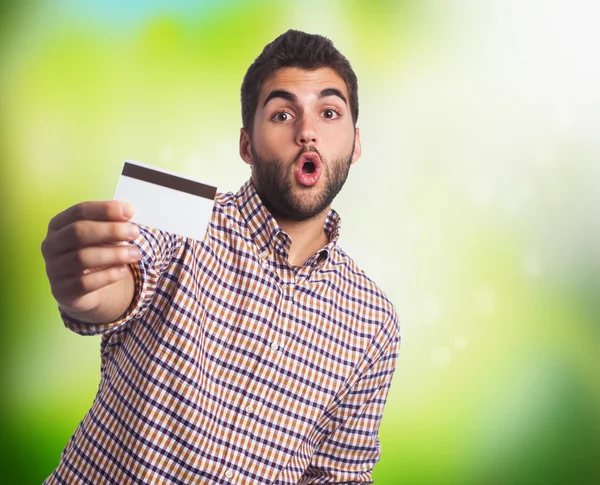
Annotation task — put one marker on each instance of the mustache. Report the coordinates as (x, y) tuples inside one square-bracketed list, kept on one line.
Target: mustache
[(304, 150)]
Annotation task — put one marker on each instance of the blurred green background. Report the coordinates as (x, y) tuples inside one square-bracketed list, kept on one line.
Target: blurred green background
[(475, 206)]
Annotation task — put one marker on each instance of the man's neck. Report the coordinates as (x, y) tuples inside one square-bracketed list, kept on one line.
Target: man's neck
[(307, 237)]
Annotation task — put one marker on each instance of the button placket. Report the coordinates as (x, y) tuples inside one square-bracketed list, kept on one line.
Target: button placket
[(277, 339), (275, 348)]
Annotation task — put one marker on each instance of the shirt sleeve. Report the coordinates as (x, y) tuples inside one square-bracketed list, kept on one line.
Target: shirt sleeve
[(157, 249), (351, 447)]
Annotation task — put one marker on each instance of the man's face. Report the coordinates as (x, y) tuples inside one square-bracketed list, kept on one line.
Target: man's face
[(303, 142)]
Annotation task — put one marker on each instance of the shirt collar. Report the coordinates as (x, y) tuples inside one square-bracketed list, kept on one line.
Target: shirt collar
[(267, 234)]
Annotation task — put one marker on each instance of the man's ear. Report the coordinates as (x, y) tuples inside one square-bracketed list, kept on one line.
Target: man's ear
[(245, 150), (357, 148)]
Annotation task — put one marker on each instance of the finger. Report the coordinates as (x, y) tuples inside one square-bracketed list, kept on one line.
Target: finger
[(71, 289), (108, 210), (80, 234), (91, 258)]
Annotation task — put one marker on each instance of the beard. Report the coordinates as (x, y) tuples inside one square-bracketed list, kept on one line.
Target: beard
[(275, 187)]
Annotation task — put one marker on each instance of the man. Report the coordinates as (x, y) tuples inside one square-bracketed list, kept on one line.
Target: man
[(259, 355)]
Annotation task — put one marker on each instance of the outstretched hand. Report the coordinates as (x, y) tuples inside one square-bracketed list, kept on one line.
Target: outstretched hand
[(87, 251)]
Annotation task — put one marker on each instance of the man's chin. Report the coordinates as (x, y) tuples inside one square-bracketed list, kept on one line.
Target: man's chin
[(297, 209), (304, 210)]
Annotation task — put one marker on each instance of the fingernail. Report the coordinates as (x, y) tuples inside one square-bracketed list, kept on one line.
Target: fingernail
[(127, 211), (134, 231), (134, 253)]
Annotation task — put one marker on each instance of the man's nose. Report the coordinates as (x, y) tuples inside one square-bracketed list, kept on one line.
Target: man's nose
[(307, 132)]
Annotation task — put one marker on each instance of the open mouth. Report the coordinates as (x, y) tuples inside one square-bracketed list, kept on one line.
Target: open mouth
[(308, 167)]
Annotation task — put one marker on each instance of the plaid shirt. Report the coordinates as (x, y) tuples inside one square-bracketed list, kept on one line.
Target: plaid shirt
[(232, 366)]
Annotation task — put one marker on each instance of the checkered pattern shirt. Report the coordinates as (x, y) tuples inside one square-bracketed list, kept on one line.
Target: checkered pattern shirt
[(233, 367)]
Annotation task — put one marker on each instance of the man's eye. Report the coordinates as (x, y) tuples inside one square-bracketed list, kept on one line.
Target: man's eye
[(330, 114), (282, 116)]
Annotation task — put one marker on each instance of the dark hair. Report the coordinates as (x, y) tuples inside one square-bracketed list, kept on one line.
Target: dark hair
[(295, 49)]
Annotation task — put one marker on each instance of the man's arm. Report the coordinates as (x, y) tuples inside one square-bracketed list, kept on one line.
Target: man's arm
[(351, 448)]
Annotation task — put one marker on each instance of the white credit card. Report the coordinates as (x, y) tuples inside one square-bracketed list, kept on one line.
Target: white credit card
[(165, 200)]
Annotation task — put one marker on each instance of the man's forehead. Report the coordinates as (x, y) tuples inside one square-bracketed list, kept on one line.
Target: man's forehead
[(308, 81)]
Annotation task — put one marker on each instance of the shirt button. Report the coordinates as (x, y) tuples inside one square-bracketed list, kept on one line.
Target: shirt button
[(229, 473), (274, 345), (249, 409)]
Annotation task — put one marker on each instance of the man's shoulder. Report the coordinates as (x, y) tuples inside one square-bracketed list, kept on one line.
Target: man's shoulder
[(226, 207), (228, 228), (370, 295), (230, 204), (225, 199)]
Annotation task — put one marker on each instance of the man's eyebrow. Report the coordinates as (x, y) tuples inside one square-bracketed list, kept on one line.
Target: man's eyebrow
[(280, 93), (332, 92)]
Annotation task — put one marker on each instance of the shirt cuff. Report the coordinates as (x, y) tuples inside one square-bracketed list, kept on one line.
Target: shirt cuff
[(139, 271)]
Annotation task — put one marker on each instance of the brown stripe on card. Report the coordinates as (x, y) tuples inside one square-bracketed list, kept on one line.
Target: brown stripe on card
[(169, 181)]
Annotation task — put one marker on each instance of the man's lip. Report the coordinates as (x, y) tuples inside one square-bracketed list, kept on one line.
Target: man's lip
[(309, 157)]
